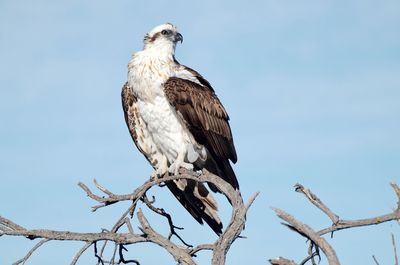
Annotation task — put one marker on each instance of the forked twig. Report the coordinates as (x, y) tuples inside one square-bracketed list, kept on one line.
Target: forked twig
[(338, 224), (162, 212)]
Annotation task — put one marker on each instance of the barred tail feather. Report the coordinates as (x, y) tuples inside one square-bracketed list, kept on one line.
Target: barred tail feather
[(198, 201)]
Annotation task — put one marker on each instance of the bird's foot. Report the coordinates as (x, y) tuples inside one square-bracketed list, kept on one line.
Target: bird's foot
[(155, 176), (159, 173), (174, 167)]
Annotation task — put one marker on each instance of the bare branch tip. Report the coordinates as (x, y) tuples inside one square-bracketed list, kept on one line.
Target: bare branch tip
[(298, 187), (83, 186), (281, 261), (252, 199), (396, 188)]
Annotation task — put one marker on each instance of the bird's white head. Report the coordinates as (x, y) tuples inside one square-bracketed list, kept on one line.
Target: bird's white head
[(163, 38)]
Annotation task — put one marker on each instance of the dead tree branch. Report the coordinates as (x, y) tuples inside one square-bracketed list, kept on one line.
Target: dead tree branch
[(282, 261), (317, 202), (162, 212), (315, 237), (28, 255), (185, 253), (396, 260), (307, 231), (182, 254)]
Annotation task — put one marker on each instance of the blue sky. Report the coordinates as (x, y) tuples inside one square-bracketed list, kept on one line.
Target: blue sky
[(312, 88)]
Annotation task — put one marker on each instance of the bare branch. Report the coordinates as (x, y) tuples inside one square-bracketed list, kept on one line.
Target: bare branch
[(122, 259), (311, 254), (337, 225), (121, 221), (140, 191), (397, 191), (344, 224), (99, 259), (27, 256), (317, 202), (80, 252), (106, 191), (9, 225), (235, 227), (122, 238), (129, 225), (282, 261), (396, 261), (162, 212), (311, 234), (200, 248), (182, 254), (375, 260), (112, 260)]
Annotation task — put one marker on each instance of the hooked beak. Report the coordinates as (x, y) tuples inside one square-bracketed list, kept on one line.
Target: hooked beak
[(178, 37)]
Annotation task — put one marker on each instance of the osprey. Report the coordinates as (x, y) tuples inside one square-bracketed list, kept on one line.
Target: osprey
[(176, 120)]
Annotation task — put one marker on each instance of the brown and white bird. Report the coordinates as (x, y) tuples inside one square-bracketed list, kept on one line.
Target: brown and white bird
[(176, 120)]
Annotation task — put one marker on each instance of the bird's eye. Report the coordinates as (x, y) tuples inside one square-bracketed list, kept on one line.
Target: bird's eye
[(165, 32)]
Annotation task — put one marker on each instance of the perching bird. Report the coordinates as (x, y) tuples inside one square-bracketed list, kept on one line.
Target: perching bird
[(176, 120)]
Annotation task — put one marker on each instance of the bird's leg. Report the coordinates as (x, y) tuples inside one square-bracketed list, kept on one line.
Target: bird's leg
[(162, 168), (178, 163)]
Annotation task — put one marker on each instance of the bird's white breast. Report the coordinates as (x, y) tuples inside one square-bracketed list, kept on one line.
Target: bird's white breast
[(146, 79)]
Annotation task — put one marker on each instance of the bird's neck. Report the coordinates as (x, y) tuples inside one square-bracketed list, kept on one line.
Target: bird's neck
[(160, 51), (150, 68)]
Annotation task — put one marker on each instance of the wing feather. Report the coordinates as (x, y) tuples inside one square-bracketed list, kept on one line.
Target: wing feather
[(202, 110), (207, 120), (128, 101)]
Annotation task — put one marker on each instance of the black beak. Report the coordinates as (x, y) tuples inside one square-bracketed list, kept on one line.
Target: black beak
[(178, 37)]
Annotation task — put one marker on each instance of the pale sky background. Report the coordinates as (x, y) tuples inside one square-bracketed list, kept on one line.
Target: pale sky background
[(312, 88)]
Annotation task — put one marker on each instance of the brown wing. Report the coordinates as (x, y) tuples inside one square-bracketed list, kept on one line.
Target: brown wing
[(207, 120), (128, 99), (192, 195), (132, 120)]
